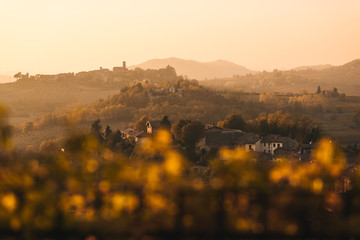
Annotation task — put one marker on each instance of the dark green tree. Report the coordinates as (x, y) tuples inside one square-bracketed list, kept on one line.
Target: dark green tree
[(318, 91), (108, 132), (192, 133), (96, 130), (165, 123), (234, 121), (264, 128)]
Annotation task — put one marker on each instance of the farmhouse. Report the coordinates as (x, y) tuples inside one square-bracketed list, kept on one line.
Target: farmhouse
[(216, 138)]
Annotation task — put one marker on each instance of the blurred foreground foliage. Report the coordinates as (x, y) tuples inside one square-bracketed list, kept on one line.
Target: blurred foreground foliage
[(87, 191)]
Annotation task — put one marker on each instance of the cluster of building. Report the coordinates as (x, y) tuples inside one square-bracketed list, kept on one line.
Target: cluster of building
[(102, 74), (271, 146), (215, 137), (165, 91), (135, 135), (266, 148)]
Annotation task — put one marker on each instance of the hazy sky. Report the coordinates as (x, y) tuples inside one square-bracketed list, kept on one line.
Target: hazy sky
[(50, 36)]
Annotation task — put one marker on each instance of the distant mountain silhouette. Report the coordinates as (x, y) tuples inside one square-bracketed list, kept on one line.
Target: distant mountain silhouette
[(197, 70)]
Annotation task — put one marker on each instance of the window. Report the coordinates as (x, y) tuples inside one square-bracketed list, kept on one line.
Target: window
[(278, 144), (274, 145), (250, 147), (264, 144)]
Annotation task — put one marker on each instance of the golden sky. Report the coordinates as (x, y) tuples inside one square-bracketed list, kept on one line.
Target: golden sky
[(51, 36)]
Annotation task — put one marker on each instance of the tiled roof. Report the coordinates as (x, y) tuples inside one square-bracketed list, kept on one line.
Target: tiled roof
[(229, 137), (282, 152), (247, 138), (273, 139)]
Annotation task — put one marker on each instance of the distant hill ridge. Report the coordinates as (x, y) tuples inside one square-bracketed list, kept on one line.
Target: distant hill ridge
[(352, 65), (313, 67), (197, 70), (345, 77)]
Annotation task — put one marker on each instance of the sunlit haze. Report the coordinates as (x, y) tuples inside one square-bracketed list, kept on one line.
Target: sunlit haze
[(42, 36)]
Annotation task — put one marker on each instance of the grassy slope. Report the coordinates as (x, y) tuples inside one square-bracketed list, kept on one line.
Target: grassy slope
[(28, 101), (339, 123)]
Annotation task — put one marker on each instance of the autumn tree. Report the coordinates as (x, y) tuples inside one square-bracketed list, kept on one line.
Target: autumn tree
[(141, 123), (177, 129), (233, 121), (188, 132), (49, 146)]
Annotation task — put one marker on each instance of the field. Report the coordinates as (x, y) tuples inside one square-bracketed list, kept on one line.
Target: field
[(339, 121), (27, 102), (34, 137)]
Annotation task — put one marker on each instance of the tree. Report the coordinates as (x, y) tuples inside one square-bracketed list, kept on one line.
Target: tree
[(48, 146), (264, 127), (96, 126), (188, 133), (318, 91), (115, 140), (165, 123), (336, 93), (233, 121), (108, 132), (315, 134), (141, 123), (96, 130), (192, 133), (177, 129), (18, 76)]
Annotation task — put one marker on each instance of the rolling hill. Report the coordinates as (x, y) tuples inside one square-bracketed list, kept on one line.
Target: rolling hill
[(31, 97), (197, 70), (346, 78)]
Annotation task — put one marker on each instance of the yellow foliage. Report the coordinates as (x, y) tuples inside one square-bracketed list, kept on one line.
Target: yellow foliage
[(126, 202), (238, 154), (173, 163), (92, 165), (9, 202)]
